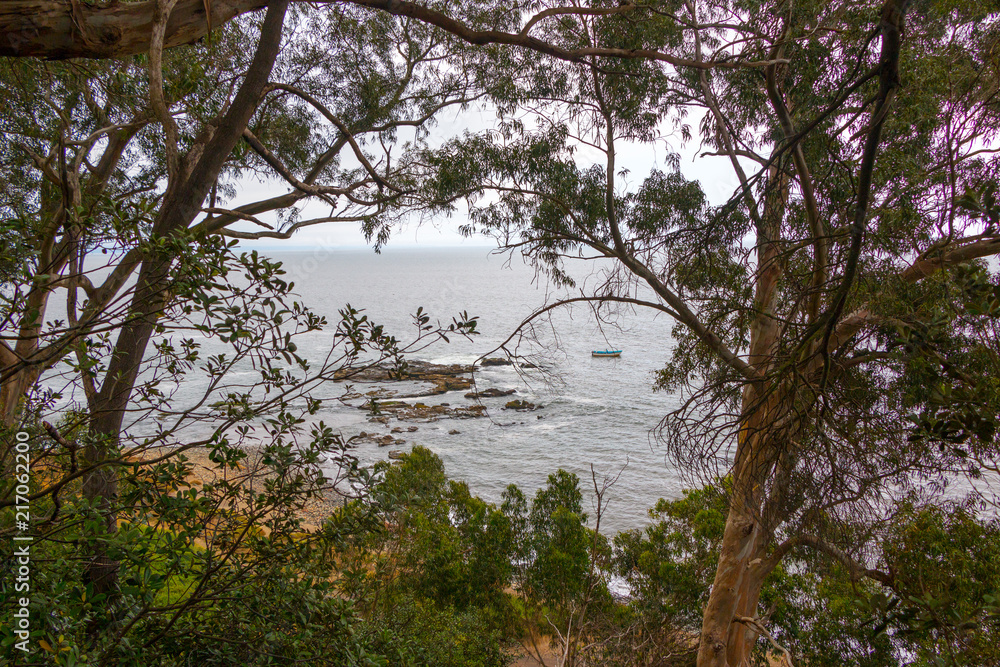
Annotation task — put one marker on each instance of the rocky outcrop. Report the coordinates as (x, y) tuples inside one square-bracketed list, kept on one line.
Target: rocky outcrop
[(490, 393), (442, 384), (520, 405), (403, 411), (380, 440), (495, 361), (411, 370), (443, 377)]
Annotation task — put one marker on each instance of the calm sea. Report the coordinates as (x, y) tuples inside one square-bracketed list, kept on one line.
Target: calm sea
[(599, 413), (595, 412)]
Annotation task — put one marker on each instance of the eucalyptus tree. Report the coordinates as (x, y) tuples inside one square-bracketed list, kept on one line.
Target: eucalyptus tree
[(817, 308), (118, 178), (830, 303)]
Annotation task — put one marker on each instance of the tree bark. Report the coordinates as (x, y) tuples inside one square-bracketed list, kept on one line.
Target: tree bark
[(58, 29)]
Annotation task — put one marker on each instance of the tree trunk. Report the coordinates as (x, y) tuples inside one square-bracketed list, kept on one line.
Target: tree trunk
[(100, 485), (14, 388), (736, 589), (737, 586), (151, 298)]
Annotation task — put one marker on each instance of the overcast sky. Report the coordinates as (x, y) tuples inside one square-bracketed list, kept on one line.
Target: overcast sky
[(715, 174)]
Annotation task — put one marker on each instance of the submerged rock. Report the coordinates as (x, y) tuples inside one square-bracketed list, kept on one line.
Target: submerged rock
[(495, 361), (520, 405), (383, 406)]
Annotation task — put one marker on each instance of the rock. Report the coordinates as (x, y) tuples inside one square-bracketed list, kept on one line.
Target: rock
[(385, 441), (454, 431), (495, 361), (411, 370), (446, 404), (380, 420), (442, 377), (396, 454), (399, 441), (519, 405), (492, 392), (397, 429), (411, 429), (383, 406), (428, 413)]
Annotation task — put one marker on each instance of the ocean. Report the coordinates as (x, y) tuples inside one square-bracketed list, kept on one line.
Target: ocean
[(594, 412), (594, 416)]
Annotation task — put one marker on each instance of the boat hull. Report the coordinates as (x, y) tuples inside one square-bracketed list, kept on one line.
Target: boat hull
[(606, 353)]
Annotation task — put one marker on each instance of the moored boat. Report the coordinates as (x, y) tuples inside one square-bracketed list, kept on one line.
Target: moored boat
[(606, 353)]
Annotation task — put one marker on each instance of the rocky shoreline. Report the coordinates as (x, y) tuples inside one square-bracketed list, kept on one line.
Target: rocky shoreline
[(388, 407)]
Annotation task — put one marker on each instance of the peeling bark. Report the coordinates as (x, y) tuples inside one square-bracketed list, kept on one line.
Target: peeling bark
[(59, 29)]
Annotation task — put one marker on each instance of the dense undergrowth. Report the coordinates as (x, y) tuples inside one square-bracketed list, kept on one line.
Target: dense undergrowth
[(421, 572)]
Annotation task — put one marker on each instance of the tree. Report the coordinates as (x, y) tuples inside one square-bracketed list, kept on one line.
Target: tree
[(120, 158), (187, 537), (938, 611), (431, 576), (560, 567), (809, 302), (111, 164), (800, 301)]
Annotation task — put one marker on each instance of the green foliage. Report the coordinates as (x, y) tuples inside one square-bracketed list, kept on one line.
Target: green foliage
[(946, 562), (940, 610), (559, 543), (420, 632), (670, 564), (180, 603), (432, 582)]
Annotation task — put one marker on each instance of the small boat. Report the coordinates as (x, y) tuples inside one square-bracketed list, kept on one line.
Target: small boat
[(606, 353)]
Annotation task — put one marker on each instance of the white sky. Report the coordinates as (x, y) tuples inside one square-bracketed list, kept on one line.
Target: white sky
[(715, 174)]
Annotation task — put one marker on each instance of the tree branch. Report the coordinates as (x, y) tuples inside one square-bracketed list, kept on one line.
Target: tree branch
[(60, 29), (856, 569)]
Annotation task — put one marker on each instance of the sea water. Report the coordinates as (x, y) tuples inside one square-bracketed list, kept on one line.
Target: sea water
[(598, 416)]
